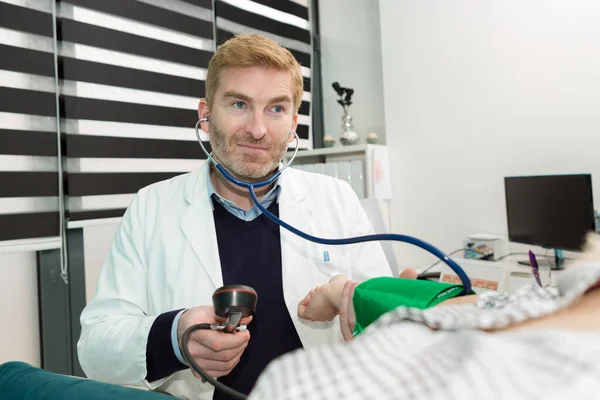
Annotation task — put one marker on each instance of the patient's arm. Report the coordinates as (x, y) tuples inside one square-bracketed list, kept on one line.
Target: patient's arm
[(324, 302)]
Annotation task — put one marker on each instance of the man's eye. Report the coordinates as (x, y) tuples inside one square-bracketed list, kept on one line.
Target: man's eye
[(239, 104), (278, 109)]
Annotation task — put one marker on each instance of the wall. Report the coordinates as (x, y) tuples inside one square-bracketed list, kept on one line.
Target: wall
[(482, 90), (351, 55), (20, 334), (97, 240), (19, 313)]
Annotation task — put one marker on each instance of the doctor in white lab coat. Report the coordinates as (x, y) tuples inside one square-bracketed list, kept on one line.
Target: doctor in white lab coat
[(165, 254)]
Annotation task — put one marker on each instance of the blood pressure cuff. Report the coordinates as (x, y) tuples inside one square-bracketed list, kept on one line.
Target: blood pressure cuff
[(377, 296), (21, 381)]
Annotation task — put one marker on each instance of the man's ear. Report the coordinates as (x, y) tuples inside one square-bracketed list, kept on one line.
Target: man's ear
[(203, 113), (294, 126)]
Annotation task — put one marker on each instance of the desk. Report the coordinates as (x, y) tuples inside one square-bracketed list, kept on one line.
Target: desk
[(508, 273)]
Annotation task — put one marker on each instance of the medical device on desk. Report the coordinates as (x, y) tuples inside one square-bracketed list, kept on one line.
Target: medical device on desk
[(231, 294)]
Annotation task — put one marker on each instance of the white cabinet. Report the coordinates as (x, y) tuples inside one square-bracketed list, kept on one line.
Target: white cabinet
[(365, 167)]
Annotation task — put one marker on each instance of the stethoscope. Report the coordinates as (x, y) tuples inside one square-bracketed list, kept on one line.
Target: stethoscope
[(368, 238)]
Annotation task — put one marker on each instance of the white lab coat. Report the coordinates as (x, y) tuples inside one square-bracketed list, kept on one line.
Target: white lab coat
[(165, 257)]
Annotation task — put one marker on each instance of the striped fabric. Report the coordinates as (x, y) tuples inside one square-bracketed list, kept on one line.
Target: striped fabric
[(284, 21), (29, 203), (132, 73)]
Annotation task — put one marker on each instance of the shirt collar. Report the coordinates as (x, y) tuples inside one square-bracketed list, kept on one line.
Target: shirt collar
[(268, 198)]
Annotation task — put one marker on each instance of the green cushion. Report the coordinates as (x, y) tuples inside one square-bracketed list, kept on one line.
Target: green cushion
[(21, 381)]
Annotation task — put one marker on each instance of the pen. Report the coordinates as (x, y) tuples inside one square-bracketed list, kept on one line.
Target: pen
[(534, 266)]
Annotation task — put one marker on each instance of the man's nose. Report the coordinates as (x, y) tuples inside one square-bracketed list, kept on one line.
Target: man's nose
[(256, 126)]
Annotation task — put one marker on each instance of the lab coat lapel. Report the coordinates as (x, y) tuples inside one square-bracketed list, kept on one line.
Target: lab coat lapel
[(296, 275), (198, 225)]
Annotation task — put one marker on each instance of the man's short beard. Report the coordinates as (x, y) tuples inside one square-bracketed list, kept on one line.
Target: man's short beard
[(243, 169)]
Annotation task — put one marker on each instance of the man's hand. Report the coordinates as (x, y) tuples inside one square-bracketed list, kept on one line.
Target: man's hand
[(215, 352)]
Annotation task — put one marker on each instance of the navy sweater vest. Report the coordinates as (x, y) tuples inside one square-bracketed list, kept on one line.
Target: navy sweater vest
[(250, 253)]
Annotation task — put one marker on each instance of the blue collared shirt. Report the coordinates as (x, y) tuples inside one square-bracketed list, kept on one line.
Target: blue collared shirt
[(230, 206)]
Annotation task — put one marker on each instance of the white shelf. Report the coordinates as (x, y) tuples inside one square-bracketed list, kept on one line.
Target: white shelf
[(333, 151), (38, 244)]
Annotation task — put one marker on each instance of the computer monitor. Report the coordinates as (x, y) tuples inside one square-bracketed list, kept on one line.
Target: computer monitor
[(554, 211)]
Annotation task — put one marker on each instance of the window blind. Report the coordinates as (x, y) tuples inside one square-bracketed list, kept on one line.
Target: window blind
[(132, 73), (29, 205)]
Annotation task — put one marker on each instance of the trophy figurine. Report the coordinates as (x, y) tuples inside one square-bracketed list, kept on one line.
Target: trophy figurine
[(348, 136)]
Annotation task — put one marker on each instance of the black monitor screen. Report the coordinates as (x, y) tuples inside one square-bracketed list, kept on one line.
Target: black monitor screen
[(550, 211)]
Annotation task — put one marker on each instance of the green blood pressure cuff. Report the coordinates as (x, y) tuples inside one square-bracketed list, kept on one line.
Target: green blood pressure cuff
[(378, 296)]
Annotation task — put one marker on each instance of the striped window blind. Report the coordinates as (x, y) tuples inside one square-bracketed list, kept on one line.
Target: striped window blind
[(132, 72), (29, 202), (286, 22)]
